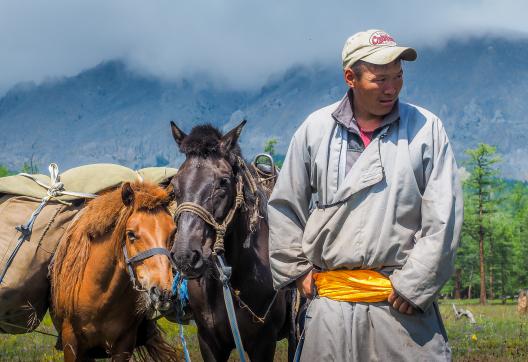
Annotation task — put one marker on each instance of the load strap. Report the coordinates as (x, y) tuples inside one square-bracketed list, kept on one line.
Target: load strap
[(367, 286), (55, 189)]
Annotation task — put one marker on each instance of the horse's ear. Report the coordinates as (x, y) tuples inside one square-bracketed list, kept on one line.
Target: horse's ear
[(229, 140), (127, 194), (177, 133), (170, 191)]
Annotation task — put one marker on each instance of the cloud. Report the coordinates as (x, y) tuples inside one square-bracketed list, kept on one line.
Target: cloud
[(239, 43)]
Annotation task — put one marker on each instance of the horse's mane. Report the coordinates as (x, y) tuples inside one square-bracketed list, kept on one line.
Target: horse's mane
[(103, 215)]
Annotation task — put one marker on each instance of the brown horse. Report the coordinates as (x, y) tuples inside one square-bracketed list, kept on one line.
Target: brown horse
[(111, 270), (222, 211)]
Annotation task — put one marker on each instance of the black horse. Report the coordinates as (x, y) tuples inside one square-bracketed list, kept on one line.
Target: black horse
[(222, 211)]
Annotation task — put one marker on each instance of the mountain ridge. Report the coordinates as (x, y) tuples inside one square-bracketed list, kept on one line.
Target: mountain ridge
[(110, 113)]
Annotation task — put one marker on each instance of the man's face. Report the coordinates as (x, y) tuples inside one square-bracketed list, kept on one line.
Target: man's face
[(377, 89)]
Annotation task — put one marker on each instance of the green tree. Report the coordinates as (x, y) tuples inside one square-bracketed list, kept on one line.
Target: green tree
[(269, 146), (481, 188), (517, 208), (4, 171), (29, 167)]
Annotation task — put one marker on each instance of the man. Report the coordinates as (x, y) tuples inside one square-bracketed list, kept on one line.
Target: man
[(366, 216)]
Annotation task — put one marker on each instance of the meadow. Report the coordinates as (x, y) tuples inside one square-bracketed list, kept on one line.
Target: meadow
[(500, 334)]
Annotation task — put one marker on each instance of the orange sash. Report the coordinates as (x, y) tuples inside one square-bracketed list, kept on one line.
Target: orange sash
[(353, 285)]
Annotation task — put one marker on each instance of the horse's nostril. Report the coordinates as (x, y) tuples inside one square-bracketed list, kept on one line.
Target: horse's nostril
[(196, 260), (154, 293)]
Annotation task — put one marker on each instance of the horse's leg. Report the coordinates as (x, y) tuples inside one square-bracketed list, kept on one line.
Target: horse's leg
[(123, 348), (211, 352), (263, 351), (69, 343)]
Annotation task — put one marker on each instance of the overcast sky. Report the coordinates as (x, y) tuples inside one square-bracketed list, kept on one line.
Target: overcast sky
[(238, 42)]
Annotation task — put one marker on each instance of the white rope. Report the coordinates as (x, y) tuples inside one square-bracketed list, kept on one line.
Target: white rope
[(56, 188), (140, 178)]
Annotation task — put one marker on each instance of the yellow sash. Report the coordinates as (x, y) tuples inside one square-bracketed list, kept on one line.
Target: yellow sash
[(353, 285)]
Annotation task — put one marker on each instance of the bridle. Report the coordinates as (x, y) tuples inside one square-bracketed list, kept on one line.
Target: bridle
[(129, 262), (224, 271), (140, 257), (221, 227)]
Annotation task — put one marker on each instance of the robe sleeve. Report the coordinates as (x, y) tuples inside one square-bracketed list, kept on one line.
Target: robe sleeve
[(288, 211), (431, 261)]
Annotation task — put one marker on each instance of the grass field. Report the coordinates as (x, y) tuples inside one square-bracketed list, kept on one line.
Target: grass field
[(499, 335)]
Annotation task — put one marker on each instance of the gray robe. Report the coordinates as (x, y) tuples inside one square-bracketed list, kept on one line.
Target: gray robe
[(399, 210)]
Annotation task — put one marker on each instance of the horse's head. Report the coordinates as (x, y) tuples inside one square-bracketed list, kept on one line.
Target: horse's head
[(206, 189), (148, 231)]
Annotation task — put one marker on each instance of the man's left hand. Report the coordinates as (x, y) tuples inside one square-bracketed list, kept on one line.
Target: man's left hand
[(400, 304)]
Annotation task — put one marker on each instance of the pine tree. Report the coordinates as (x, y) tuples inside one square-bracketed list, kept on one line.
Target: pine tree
[(481, 187)]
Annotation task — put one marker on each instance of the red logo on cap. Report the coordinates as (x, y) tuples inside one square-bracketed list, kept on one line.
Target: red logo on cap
[(381, 38)]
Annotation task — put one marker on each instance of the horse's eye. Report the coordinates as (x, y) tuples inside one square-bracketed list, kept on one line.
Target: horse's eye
[(131, 235), (224, 182)]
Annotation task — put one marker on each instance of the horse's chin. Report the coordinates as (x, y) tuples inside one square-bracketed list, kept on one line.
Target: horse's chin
[(147, 306), (192, 275)]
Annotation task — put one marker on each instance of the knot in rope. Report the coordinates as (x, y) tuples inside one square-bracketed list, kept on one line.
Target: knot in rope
[(55, 189)]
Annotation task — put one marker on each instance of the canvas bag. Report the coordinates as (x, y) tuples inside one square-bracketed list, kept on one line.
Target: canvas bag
[(24, 286)]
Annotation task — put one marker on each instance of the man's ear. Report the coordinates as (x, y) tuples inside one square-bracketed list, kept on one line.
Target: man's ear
[(127, 194), (177, 133), (350, 77), (230, 139)]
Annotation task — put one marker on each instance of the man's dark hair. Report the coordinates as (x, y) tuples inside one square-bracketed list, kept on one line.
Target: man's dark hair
[(359, 67)]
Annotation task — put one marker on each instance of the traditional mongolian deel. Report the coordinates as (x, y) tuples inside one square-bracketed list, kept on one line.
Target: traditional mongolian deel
[(26, 247), (397, 211)]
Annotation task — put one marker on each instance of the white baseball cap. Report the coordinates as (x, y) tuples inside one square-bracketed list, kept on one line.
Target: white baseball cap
[(374, 46)]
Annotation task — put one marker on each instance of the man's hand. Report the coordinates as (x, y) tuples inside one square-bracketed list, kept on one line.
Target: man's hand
[(305, 284), (400, 304)]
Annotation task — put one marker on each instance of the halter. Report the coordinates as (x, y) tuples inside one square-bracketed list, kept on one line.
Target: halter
[(206, 216), (140, 257), (223, 269)]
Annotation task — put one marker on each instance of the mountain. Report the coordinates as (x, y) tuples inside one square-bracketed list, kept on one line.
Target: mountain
[(109, 113)]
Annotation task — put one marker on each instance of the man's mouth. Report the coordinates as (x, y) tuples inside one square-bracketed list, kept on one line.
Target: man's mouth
[(387, 102)]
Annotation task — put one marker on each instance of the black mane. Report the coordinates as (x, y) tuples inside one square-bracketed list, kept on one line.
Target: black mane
[(205, 141)]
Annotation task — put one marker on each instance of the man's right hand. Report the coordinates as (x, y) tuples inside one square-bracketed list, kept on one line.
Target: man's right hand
[(305, 284)]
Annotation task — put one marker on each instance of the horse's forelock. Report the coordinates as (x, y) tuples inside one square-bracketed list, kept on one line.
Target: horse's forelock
[(203, 141), (206, 141)]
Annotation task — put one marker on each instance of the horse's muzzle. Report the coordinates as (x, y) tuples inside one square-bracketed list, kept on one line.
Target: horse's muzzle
[(161, 299), (190, 263)]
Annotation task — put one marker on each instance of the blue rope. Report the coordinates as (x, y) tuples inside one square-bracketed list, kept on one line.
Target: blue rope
[(179, 289), (184, 345)]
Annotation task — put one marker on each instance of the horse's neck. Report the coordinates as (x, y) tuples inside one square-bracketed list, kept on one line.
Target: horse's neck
[(243, 260), (105, 269)]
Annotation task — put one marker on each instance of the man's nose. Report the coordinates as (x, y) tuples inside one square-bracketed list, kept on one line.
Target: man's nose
[(390, 88)]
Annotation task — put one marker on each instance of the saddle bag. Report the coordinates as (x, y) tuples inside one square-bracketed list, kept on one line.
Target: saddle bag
[(35, 211), (24, 290)]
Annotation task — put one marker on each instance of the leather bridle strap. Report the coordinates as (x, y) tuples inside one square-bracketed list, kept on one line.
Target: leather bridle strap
[(139, 257)]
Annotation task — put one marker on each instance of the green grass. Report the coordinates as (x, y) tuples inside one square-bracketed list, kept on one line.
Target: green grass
[(499, 335)]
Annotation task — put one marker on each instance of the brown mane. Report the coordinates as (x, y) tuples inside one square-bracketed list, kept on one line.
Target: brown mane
[(102, 215)]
